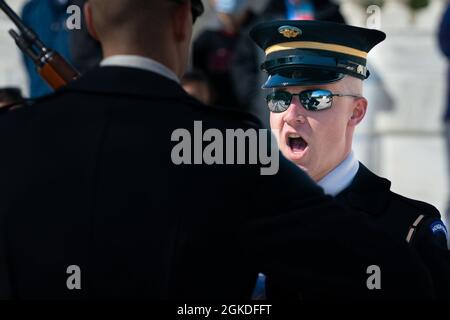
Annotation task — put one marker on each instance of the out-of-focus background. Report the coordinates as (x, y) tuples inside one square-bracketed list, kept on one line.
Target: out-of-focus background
[(402, 138)]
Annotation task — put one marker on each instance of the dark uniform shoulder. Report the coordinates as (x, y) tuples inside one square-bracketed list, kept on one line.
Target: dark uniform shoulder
[(427, 225), (246, 118), (223, 117), (417, 206), (428, 236)]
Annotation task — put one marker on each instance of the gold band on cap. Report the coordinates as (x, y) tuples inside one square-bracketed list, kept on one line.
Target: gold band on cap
[(316, 45)]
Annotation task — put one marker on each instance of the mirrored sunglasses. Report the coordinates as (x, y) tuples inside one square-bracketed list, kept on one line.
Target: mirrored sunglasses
[(312, 100)]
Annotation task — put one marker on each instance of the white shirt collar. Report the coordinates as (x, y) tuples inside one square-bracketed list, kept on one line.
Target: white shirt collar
[(140, 62), (341, 176)]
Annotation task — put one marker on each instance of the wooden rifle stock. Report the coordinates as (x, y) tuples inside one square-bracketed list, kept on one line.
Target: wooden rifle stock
[(56, 71)]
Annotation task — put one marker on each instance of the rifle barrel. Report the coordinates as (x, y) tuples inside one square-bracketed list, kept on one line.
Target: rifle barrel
[(11, 14), (26, 32), (24, 46)]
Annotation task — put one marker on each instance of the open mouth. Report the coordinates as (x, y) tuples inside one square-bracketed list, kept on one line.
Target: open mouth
[(296, 143)]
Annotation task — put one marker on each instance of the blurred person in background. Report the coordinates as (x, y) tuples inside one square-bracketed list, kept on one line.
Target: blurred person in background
[(247, 78), (444, 44), (197, 85), (316, 102), (10, 96), (213, 50), (324, 10), (48, 19)]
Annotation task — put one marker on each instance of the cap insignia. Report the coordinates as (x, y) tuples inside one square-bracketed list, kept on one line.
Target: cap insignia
[(361, 70), (289, 31)]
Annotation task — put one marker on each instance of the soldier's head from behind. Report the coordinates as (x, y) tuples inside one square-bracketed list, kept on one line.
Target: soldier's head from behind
[(159, 29), (315, 96)]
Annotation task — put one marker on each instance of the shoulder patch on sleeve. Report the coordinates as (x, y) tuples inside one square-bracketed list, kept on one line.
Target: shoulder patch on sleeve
[(439, 227)]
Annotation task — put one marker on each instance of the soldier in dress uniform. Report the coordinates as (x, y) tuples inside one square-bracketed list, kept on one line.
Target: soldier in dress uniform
[(316, 70)]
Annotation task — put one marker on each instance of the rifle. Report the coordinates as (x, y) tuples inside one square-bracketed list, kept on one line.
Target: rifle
[(50, 65)]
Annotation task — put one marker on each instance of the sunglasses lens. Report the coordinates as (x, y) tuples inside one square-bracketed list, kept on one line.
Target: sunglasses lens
[(278, 101), (315, 100)]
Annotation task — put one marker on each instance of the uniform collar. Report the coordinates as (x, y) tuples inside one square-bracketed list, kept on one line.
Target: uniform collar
[(139, 62), (115, 80), (341, 176)]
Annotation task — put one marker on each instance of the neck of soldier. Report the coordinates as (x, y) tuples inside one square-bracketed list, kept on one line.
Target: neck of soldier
[(163, 54), (338, 160)]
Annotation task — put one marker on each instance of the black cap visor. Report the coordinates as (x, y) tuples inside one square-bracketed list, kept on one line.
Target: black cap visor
[(302, 77)]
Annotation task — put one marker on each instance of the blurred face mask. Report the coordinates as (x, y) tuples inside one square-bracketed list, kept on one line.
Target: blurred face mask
[(231, 7)]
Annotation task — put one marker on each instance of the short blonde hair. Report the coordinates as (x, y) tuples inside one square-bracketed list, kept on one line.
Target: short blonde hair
[(140, 16)]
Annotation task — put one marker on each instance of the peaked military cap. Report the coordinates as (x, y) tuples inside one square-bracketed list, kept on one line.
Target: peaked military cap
[(302, 52)]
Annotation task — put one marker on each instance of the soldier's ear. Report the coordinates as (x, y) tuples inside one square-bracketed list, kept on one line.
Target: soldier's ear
[(182, 21), (359, 111), (90, 21)]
